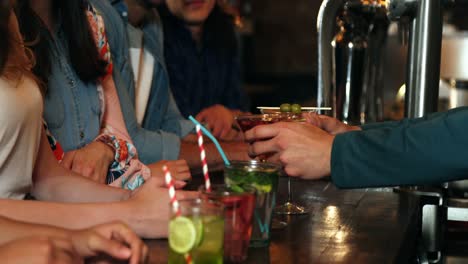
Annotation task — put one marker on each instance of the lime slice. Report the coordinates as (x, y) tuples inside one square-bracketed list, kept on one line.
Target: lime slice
[(214, 233), (263, 188), (200, 230), (182, 234), (236, 188)]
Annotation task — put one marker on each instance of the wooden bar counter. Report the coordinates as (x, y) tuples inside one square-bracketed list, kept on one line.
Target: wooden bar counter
[(343, 226)]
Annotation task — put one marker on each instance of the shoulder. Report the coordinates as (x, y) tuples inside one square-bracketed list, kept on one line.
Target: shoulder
[(115, 26)]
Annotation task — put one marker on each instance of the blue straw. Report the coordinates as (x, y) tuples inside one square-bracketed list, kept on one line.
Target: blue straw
[(215, 141)]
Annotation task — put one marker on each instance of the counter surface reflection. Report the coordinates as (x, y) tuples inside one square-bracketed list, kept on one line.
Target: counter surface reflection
[(344, 226)]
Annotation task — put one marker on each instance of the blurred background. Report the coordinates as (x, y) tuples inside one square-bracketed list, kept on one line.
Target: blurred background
[(279, 52)]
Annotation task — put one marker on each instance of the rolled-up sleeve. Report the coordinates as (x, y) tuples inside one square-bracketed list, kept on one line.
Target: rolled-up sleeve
[(173, 115), (410, 152)]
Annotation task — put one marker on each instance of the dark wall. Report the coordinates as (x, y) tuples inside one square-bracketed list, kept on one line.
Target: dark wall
[(285, 36), (280, 56)]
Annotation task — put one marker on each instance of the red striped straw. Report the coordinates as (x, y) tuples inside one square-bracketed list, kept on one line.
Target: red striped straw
[(172, 195), (203, 159), (174, 203)]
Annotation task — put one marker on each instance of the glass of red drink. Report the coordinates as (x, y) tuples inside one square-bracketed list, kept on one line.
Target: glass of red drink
[(239, 206), (247, 122)]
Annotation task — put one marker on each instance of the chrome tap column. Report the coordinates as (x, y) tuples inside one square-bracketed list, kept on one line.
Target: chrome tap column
[(423, 66), (326, 24)]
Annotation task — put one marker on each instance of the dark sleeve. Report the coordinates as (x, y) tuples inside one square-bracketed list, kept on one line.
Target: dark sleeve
[(412, 152), (390, 124), (235, 97)]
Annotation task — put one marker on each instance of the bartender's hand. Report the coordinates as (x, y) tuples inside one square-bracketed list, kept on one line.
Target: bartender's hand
[(329, 124), (92, 161), (303, 149)]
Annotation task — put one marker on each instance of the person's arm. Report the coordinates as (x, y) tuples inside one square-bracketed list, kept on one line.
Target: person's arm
[(412, 152), (390, 124), (146, 211), (40, 250), (173, 117), (53, 182), (234, 151), (12, 230), (335, 127), (114, 239)]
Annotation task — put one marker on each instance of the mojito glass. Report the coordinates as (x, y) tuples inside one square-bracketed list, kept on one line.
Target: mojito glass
[(263, 177), (238, 211), (197, 232)]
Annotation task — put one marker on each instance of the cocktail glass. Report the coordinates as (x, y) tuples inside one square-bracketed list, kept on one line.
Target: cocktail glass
[(263, 177), (197, 232), (238, 210), (247, 122)]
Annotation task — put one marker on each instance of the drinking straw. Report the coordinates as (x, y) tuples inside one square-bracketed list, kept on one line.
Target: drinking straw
[(215, 141), (170, 186), (226, 161), (203, 159), (174, 203)]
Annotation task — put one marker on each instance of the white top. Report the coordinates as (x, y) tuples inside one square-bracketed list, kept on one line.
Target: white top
[(21, 108), (142, 62)]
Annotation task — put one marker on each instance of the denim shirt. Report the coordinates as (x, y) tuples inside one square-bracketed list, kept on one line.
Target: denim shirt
[(71, 107), (163, 125)]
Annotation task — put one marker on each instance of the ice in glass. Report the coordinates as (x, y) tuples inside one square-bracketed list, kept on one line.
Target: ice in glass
[(264, 178), (238, 211)]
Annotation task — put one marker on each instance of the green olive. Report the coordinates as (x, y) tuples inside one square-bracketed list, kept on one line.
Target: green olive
[(284, 108), (296, 108)]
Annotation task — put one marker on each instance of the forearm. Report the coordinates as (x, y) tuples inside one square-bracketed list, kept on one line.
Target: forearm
[(190, 152), (73, 216), (52, 182), (76, 189), (12, 230), (425, 152), (85, 215)]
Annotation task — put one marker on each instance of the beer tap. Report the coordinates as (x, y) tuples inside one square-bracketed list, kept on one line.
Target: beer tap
[(424, 20)]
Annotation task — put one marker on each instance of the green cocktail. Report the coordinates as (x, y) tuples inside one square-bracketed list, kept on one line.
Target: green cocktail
[(264, 178), (197, 232)]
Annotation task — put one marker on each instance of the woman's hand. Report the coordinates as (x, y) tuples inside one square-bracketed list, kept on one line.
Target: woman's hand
[(179, 169), (114, 239), (329, 124), (92, 161), (149, 205), (40, 250)]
